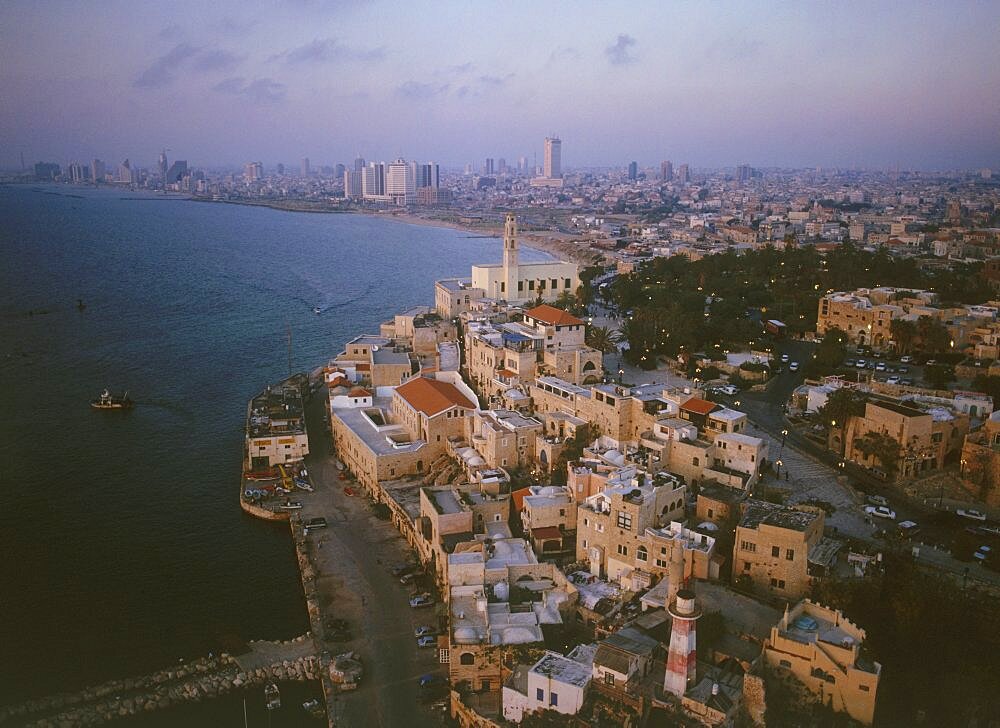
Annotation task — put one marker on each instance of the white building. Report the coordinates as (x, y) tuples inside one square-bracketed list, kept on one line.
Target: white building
[(400, 184), (553, 683), (515, 282)]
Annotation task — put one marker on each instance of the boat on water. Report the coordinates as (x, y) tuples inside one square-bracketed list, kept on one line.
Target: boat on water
[(317, 310), (272, 696), (108, 401)]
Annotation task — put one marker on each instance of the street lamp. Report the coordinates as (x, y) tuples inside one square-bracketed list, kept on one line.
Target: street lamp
[(777, 465), (621, 373)]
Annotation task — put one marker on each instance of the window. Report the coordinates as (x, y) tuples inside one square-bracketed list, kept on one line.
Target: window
[(541, 284), (641, 554), (555, 283), (609, 678), (540, 695), (784, 663), (777, 583), (746, 566), (586, 521), (710, 515), (694, 461), (625, 520), (484, 685), (568, 283), (444, 656), (623, 550), (531, 285), (520, 285), (661, 563), (585, 543), (467, 658), (553, 699), (864, 688), (503, 287), (748, 546), (775, 551), (790, 554), (562, 511)]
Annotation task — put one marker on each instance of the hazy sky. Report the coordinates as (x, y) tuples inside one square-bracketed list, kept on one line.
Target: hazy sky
[(807, 83)]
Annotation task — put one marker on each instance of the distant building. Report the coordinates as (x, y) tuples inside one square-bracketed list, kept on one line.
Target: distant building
[(47, 170), (744, 172), (253, 171), (125, 175), (553, 157), (488, 166), (428, 175), (97, 170), (178, 170), (399, 183), (305, 170), (163, 164), (280, 169), (373, 181), (683, 174), (666, 171), (772, 547), (633, 171), (352, 184)]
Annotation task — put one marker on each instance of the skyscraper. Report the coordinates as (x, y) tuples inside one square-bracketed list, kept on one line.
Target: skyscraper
[(743, 172), (125, 173), (553, 158), (305, 171), (684, 173), (666, 171), (176, 172), (502, 165), (633, 171), (281, 169), (399, 182), (352, 183), (373, 181), (253, 171), (359, 163), (163, 164), (427, 175), (97, 171)]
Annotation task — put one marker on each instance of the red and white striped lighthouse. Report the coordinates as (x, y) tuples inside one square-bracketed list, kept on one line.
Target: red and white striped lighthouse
[(682, 655)]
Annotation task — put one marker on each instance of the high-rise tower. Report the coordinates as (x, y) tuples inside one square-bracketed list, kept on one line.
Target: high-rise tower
[(510, 263), (681, 657), (553, 158)]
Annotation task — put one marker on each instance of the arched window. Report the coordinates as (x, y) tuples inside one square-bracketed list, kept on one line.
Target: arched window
[(467, 658), (641, 554), (589, 366)]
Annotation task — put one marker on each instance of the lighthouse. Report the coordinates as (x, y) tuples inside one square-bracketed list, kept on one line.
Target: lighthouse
[(682, 655)]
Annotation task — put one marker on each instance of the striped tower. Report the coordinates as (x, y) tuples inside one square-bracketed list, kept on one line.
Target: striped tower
[(681, 657)]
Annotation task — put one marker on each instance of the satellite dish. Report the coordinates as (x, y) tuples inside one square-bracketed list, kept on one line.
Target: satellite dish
[(375, 347)]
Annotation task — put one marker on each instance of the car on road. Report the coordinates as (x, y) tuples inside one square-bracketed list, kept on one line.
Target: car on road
[(892, 379), (422, 600), (784, 358), (971, 514), (881, 512), (982, 554), (861, 364), (729, 389), (903, 370), (427, 641), (905, 359), (424, 630), (880, 367), (317, 522), (793, 367)]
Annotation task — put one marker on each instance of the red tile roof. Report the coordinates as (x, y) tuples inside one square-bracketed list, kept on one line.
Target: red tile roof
[(552, 315), (359, 392), (546, 532), (699, 406), (432, 396)]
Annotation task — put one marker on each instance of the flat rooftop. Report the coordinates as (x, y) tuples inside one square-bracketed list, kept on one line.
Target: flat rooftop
[(757, 513), (376, 439), (563, 669)]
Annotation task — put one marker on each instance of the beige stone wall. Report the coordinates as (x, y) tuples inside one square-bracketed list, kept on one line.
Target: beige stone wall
[(775, 559)]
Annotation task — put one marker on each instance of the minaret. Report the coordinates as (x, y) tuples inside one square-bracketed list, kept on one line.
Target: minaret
[(510, 272), (682, 656)]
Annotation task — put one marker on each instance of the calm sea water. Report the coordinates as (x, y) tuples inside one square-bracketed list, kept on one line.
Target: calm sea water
[(122, 547)]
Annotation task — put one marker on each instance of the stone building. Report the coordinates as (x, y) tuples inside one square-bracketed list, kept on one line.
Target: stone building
[(772, 547), (825, 652)]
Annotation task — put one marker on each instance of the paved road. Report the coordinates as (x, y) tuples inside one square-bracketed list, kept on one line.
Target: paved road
[(353, 556)]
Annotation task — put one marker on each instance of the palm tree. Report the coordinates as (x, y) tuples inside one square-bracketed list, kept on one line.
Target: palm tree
[(603, 339)]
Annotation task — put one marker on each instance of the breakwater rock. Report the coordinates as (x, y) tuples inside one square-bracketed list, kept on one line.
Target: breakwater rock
[(193, 681)]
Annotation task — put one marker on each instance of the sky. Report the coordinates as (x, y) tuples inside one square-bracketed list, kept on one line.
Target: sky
[(839, 84)]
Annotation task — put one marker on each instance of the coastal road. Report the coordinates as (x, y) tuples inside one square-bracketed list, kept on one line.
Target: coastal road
[(353, 556)]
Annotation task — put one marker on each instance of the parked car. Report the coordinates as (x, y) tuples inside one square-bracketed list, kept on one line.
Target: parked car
[(729, 389), (906, 359), (424, 630), (878, 500), (903, 370), (861, 364), (427, 641), (880, 367), (422, 600), (317, 522), (784, 358), (982, 554), (793, 367), (892, 379), (881, 512), (971, 514), (908, 529)]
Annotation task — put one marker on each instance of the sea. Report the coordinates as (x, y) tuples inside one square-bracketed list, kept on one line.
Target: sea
[(122, 545)]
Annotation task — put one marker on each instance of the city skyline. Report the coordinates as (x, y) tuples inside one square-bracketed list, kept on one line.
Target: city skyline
[(780, 86)]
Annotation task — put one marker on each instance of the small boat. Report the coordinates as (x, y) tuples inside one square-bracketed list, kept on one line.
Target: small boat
[(272, 696), (108, 401), (317, 310)]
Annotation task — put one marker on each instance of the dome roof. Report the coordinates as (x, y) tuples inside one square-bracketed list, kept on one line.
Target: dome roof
[(466, 635)]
